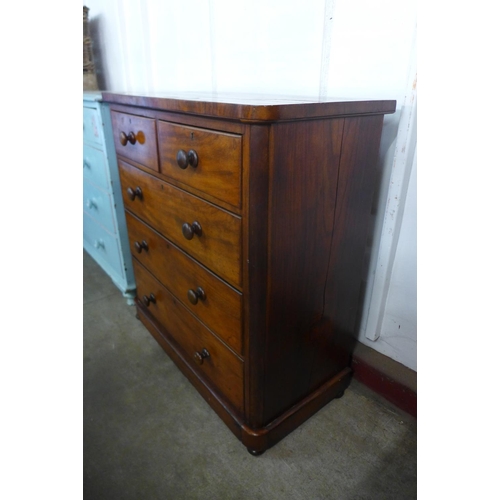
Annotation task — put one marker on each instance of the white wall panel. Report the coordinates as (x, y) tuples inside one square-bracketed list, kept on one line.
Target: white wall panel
[(268, 46), (371, 47), (398, 337), (137, 71), (179, 39)]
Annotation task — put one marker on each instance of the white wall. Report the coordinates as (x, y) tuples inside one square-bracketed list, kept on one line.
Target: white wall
[(344, 48), (398, 338)]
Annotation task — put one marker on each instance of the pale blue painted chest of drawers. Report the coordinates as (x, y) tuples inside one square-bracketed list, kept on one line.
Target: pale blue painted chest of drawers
[(104, 228)]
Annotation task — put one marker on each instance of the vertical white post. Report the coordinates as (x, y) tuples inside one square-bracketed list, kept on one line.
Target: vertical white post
[(326, 47), (381, 268)]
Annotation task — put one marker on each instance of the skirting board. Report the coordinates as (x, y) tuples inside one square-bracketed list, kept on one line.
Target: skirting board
[(388, 378)]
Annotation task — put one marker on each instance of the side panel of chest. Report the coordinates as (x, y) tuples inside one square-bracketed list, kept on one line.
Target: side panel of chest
[(302, 182)]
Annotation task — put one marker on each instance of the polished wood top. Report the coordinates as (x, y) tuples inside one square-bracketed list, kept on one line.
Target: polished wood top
[(252, 107)]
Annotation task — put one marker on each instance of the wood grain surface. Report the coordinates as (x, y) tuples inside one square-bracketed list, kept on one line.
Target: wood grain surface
[(222, 367), (144, 150), (304, 175), (252, 235), (167, 208), (220, 311), (218, 170), (252, 107)]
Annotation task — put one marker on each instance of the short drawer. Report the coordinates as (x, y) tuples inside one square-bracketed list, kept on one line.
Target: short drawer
[(103, 245), (215, 303), (92, 126), (95, 166), (135, 138), (206, 232), (221, 367), (206, 160), (98, 204)]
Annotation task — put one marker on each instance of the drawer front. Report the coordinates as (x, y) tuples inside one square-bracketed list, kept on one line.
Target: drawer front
[(103, 244), (215, 166), (222, 368), (95, 166), (97, 203), (141, 146), (167, 209), (92, 126), (217, 305)]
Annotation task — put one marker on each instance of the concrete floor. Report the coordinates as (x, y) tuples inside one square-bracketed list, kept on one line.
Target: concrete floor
[(149, 435)]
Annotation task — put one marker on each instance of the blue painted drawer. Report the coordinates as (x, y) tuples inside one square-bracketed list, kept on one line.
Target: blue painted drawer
[(98, 204), (103, 246), (95, 166), (92, 126)]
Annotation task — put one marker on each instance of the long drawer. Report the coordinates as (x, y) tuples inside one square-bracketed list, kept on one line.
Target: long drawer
[(214, 302), (202, 350), (207, 233)]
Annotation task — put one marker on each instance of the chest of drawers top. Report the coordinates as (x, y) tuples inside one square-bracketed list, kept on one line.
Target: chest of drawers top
[(247, 218), (252, 108)]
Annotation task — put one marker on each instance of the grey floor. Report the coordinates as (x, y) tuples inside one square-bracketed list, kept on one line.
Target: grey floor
[(149, 435)]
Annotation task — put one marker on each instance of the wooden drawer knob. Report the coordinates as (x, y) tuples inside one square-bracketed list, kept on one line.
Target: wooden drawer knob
[(200, 356), (139, 247), (194, 295), (133, 193), (147, 300), (124, 138), (189, 230), (193, 158), (184, 159)]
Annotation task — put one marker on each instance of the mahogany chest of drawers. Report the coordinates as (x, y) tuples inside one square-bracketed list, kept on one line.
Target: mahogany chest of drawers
[(247, 219)]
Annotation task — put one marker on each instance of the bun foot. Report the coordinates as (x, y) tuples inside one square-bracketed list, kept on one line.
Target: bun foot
[(339, 395), (255, 453)]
